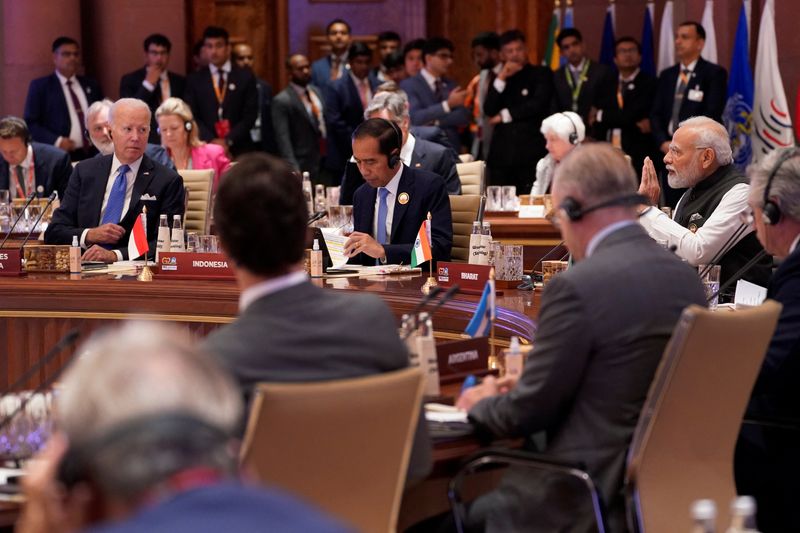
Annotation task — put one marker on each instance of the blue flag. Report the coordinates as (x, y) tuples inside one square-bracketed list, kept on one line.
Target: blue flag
[(648, 65), (481, 323), (739, 107), (607, 45)]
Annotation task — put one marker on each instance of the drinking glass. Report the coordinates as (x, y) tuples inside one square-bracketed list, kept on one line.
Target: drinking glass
[(494, 198), (4, 196), (193, 242), (332, 195), (509, 198), (710, 278), (32, 214), (209, 243)]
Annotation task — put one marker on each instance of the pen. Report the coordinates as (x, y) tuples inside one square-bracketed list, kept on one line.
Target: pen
[(469, 381)]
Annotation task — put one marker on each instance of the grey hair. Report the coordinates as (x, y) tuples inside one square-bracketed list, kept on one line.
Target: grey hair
[(129, 103), (95, 108), (711, 134), (563, 125), (785, 185), (143, 369), (396, 103), (596, 172)]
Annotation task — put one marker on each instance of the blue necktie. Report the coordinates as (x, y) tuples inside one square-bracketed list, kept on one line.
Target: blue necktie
[(383, 210), (116, 199)]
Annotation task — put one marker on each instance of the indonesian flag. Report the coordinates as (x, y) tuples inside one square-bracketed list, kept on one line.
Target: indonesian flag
[(422, 245), (137, 243)]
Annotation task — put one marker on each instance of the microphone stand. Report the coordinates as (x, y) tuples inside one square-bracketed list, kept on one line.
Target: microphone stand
[(726, 247), (19, 216), (50, 201), (739, 273)]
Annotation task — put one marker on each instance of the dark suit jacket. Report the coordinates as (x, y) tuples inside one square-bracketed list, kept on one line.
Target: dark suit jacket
[(321, 72), (426, 194), (305, 333), (586, 381), (427, 110), (83, 201), (638, 95), (51, 167), (433, 134), (267, 143), (296, 132), (427, 156), (597, 91), (130, 86), (240, 106), (527, 96), (343, 113), (709, 78), (46, 111)]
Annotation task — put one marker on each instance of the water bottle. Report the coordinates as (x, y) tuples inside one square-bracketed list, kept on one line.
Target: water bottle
[(743, 515), (426, 349), (176, 243), (163, 239), (320, 201), (486, 243), (513, 359), (474, 244), (307, 192)]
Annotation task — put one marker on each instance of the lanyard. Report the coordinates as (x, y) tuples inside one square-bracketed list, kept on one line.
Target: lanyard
[(220, 93), (576, 89)]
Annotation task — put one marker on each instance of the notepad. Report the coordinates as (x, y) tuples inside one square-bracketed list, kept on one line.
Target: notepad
[(335, 244), (748, 294)]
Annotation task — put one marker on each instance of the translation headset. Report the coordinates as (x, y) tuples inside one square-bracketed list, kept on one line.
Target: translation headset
[(573, 137), (394, 155), (187, 125), (771, 212), (575, 211)]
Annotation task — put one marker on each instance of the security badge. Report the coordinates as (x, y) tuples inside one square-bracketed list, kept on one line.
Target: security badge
[(403, 198)]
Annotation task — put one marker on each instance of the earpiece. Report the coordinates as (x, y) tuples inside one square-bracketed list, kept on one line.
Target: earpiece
[(574, 211), (394, 155), (187, 125), (573, 137), (771, 212)]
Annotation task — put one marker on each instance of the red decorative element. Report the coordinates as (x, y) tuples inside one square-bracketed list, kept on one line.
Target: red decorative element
[(776, 110), (458, 359), (471, 278), (11, 262), (773, 139), (191, 265)]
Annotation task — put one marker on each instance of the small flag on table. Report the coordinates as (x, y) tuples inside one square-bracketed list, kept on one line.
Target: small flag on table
[(422, 245), (481, 323), (137, 243)]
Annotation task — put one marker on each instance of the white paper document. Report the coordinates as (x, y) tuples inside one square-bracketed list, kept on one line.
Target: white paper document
[(748, 294), (335, 244), (531, 211), (437, 412)]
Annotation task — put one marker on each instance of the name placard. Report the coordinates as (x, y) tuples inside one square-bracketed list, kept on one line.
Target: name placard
[(458, 359), (191, 265), (471, 278), (11, 262)]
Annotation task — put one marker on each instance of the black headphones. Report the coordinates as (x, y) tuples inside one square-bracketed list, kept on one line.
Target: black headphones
[(575, 211), (771, 212), (573, 137), (394, 155)]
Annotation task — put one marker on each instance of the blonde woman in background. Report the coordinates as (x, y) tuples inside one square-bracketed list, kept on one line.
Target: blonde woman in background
[(180, 136)]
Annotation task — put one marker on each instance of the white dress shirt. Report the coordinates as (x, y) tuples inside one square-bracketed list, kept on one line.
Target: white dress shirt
[(130, 178), (226, 68), (430, 79), (259, 290), (26, 165), (75, 126), (407, 151), (392, 186), (700, 247)]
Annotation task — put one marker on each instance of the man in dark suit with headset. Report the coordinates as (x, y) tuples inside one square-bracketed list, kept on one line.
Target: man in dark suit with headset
[(767, 464), (26, 165), (389, 208), (585, 390)]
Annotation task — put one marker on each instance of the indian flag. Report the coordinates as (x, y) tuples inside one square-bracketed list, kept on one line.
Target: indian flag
[(422, 245)]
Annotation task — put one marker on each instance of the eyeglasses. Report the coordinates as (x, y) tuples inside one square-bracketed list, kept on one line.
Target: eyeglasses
[(747, 217)]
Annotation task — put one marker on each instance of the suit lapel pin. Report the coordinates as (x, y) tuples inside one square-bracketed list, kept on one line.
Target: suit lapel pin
[(146, 173), (232, 86), (525, 92), (403, 198), (418, 165), (631, 86)]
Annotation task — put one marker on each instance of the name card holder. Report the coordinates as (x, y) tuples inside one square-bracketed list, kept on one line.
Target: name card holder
[(459, 359), (471, 278), (11, 262), (192, 265)]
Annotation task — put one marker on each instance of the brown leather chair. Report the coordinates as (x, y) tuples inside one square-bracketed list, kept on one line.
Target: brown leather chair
[(683, 446), (342, 445), (464, 210)]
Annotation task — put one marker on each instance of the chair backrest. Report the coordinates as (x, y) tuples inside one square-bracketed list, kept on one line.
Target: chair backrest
[(471, 176), (464, 209), (343, 445), (683, 446), (199, 185)]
